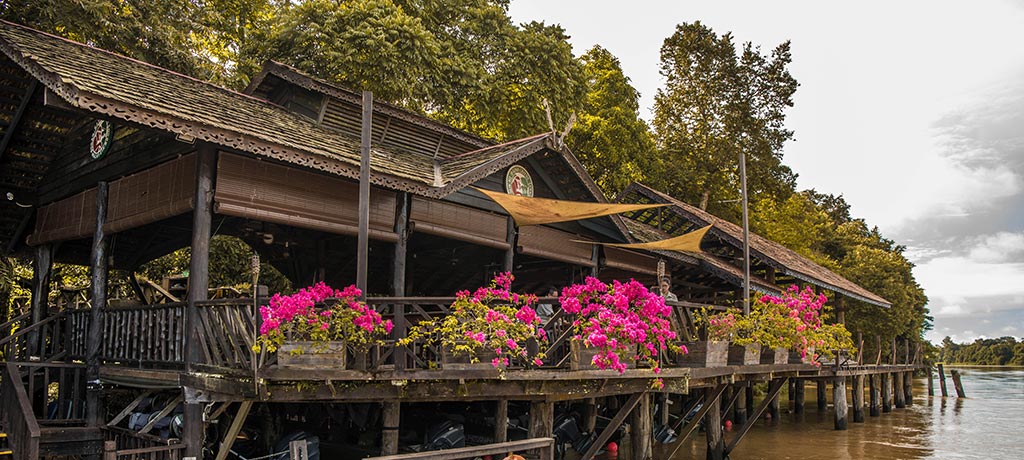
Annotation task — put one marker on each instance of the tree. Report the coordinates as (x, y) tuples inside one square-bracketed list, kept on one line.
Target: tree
[(715, 105), (610, 138)]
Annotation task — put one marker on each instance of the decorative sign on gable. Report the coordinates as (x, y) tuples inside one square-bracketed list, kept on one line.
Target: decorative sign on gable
[(518, 181), (102, 137)]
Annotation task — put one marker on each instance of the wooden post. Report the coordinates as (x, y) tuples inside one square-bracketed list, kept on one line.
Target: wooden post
[(363, 239), (663, 406), (942, 381), (773, 408), (109, 450), (898, 394), (542, 419), (590, 415), (392, 417), (713, 426), (40, 296), (886, 392), (727, 409), (839, 401), (822, 395), (232, 433), (875, 396), (741, 403), (198, 286), (398, 264), (908, 388), (798, 397), (501, 420), (931, 382), (98, 290), (750, 400), (957, 384), (858, 399), (510, 238), (841, 310), (642, 431)]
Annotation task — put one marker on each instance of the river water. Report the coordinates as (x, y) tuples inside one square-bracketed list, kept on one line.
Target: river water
[(989, 424)]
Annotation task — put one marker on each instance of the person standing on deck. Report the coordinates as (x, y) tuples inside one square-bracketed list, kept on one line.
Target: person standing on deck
[(665, 287)]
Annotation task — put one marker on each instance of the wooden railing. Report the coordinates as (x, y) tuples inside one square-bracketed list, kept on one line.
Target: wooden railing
[(123, 444), (48, 334), (227, 330), (147, 334), (19, 420), (56, 391), (535, 448)]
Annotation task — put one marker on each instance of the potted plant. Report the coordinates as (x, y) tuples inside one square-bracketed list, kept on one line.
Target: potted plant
[(314, 327), (491, 327), (617, 324), (794, 320)]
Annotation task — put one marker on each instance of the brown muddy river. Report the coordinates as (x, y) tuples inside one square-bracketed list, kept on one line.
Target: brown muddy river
[(989, 424)]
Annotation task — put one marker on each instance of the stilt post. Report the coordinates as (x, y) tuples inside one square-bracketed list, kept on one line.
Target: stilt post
[(886, 392), (898, 394), (822, 398), (931, 381), (959, 386), (40, 296), (942, 381), (392, 418), (798, 397), (741, 403), (839, 401), (501, 421), (98, 291), (643, 432), (713, 427), (542, 419), (876, 399), (858, 399), (908, 388)]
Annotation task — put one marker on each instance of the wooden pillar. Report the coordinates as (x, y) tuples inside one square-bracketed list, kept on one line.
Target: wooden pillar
[(542, 419), (642, 431), (501, 420), (876, 398), (40, 295), (663, 406), (590, 415), (908, 388), (798, 397), (898, 390), (198, 285), (750, 399), (957, 384), (713, 426), (510, 238), (886, 392), (398, 264), (741, 404), (773, 408), (727, 412), (841, 310), (942, 381), (392, 418), (858, 399), (822, 395), (931, 382), (98, 290), (363, 238), (839, 402)]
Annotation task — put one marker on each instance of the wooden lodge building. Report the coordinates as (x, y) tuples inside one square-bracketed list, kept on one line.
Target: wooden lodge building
[(109, 162)]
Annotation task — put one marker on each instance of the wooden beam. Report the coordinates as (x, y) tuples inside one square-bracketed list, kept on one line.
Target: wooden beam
[(713, 428), (391, 417), (616, 421), (40, 293), (363, 241), (130, 407), (12, 127), (710, 393), (501, 420), (98, 289), (642, 429), (544, 445), (232, 433), (774, 388), (163, 413), (542, 419), (858, 399), (839, 402)]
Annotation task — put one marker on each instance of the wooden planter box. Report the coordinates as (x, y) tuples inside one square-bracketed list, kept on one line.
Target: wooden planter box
[(462, 361), (308, 355), (745, 355), (795, 358), (774, 356), (706, 354), (581, 358)]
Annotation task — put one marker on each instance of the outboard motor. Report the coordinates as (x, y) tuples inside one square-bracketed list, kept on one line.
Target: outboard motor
[(445, 436), (565, 431)]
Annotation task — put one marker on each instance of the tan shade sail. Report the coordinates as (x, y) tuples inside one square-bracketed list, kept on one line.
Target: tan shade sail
[(537, 211), (689, 242)]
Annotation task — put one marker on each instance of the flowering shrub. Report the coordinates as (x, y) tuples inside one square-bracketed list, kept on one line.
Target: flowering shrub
[(621, 320), (492, 319), (723, 326), (794, 320), (296, 317)]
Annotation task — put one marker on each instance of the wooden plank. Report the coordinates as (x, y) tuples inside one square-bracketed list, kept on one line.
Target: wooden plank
[(773, 392), (129, 408), (232, 433), (12, 126), (613, 425), (163, 413), (459, 453), (714, 394)]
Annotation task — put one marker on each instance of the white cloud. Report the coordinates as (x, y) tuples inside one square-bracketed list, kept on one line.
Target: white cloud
[(1001, 247)]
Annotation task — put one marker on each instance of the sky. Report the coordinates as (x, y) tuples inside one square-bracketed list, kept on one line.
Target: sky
[(912, 110)]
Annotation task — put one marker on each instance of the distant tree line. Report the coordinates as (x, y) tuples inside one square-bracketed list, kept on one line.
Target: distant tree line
[(1004, 351)]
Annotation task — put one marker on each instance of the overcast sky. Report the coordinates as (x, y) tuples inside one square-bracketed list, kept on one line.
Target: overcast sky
[(912, 110)]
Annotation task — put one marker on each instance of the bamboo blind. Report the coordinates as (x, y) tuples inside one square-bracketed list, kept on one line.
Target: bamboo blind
[(630, 261), (68, 219), (458, 222), (157, 193), (549, 243)]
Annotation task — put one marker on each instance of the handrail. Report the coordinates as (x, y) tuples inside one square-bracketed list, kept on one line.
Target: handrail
[(544, 445), (16, 319), (19, 419), (31, 328)]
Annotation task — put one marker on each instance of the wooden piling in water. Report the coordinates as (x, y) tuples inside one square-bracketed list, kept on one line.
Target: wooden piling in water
[(822, 395), (858, 399), (839, 402), (713, 427), (773, 408), (642, 429), (931, 382), (957, 384), (897, 387), (741, 404), (389, 434), (798, 396), (886, 392), (908, 388), (500, 421), (875, 396), (942, 381)]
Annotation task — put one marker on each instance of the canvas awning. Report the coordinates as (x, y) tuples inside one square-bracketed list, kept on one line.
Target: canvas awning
[(537, 211), (689, 242)]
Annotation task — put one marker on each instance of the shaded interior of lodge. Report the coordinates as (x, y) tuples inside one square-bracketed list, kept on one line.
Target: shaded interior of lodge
[(109, 163)]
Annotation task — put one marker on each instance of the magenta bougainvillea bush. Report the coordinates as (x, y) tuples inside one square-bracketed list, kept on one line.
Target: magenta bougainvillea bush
[(621, 320), (321, 314), (491, 322)]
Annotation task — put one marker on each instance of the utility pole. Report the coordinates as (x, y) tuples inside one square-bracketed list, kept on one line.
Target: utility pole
[(746, 235)]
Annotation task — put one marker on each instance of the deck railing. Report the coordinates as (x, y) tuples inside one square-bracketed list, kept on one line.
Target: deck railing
[(19, 421), (124, 444)]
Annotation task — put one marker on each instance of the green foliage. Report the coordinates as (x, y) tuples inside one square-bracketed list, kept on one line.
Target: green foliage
[(716, 104), (230, 265), (610, 138), (1003, 351)]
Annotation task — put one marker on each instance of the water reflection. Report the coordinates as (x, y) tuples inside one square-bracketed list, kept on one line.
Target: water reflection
[(986, 425)]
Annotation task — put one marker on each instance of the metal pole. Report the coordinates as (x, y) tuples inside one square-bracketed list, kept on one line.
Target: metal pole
[(362, 249), (746, 235)]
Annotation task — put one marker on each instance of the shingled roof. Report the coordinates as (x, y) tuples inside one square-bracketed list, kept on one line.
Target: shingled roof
[(772, 253), (116, 86)]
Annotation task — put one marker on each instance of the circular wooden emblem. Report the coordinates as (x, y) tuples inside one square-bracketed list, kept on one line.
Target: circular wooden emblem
[(518, 181), (102, 135)]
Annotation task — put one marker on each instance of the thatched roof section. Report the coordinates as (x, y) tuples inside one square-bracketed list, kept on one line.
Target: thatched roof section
[(777, 256)]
